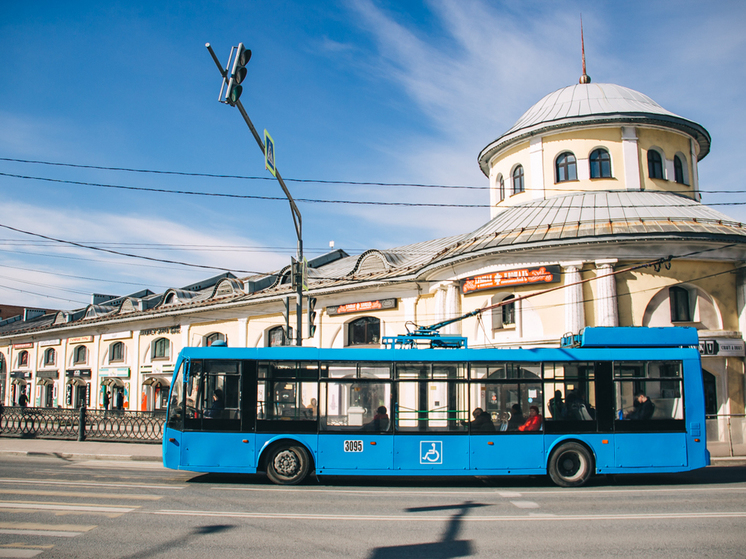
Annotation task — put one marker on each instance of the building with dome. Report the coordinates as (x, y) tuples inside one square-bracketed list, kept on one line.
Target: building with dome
[(595, 220)]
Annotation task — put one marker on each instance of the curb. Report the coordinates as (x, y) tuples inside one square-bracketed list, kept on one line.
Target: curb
[(80, 456)]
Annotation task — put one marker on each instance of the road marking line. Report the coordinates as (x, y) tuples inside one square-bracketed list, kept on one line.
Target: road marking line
[(525, 504), (38, 526), (89, 484), (79, 494), (49, 533), (15, 553), (64, 507), (118, 464), (410, 518), (483, 493)]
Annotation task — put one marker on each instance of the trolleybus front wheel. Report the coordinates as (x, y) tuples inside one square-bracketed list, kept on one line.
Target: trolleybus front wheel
[(571, 465), (288, 464)]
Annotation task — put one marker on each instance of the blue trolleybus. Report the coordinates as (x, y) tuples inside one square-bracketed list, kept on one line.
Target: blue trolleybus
[(608, 401)]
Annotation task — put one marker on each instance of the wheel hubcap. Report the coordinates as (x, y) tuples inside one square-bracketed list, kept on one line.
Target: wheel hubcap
[(286, 463), (569, 464)]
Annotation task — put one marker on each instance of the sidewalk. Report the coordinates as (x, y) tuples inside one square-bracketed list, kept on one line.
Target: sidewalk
[(74, 450)]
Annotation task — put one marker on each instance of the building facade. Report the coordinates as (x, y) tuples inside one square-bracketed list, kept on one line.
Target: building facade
[(595, 220)]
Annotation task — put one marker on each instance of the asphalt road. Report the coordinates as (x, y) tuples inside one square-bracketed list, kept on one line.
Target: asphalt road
[(51, 507)]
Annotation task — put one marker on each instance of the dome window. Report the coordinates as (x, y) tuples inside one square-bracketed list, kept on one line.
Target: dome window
[(600, 164), (501, 186), (518, 186), (566, 168), (655, 164), (678, 170)]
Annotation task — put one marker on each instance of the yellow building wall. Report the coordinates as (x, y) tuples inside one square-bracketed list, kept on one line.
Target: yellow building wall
[(670, 143)]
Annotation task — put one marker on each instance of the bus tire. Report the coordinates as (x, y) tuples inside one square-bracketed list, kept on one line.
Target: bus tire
[(288, 464), (570, 465)]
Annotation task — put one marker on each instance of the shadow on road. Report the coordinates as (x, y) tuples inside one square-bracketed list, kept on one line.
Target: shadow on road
[(181, 541), (712, 475)]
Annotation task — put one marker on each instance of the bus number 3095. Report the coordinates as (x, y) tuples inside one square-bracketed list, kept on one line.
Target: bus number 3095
[(353, 446)]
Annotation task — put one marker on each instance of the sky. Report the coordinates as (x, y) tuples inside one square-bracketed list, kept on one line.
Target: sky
[(383, 92)]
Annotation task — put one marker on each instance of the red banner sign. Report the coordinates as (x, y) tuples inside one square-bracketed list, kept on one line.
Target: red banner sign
[(362, 307), (509, 278)]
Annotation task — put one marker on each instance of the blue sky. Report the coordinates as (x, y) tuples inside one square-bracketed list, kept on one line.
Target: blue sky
[(362, 91)]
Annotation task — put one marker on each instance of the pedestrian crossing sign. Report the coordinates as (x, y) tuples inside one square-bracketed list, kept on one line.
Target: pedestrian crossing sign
[(269, 153)]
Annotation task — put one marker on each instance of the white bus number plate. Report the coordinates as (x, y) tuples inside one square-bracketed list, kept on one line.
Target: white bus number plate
[(353, 446)]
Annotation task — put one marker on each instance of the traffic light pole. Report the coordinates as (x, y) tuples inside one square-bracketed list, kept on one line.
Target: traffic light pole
[(296, 268)]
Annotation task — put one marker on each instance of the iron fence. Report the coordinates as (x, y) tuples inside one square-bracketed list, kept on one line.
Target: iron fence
[(112, 425), (726, 435)]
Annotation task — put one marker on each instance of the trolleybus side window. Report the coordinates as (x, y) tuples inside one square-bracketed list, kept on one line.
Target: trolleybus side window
[(287, 391), (432, 397), (508, 403), (356, 397), (570, 392), (648, 390)]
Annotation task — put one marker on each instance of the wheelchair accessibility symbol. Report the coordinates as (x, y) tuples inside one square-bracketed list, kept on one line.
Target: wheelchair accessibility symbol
[(431, 452)]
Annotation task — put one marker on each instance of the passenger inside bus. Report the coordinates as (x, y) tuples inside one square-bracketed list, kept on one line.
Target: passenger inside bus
[(644, 407), (482, 421), (216, 408), (534, 421), (380, 421), (516, 418)]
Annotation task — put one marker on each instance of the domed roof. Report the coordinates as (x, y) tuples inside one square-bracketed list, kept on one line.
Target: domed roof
[(593, 103)]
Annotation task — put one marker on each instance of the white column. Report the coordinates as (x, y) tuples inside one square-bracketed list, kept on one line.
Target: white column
[(440, 304), (243, 332), (453, 308), (631, 156), (584, 169), (694, 179), (741, 298), (607, 313), (409, 304), (574, 312), (536, 151)]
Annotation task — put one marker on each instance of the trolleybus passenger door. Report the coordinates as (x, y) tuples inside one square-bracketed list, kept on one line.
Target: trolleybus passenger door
[(355, 427), (431, 431)]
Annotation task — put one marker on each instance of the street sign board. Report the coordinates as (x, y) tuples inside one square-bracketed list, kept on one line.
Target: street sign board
[(269, 153)]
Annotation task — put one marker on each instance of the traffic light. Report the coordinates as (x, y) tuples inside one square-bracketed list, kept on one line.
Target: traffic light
[(238, 74), (311, 316)]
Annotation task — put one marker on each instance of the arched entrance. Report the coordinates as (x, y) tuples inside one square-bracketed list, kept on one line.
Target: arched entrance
[(155, 394), (76, 393), (118, 396)]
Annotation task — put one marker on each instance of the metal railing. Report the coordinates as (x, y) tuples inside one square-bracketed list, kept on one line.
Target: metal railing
[(726, 435), (82, 424)]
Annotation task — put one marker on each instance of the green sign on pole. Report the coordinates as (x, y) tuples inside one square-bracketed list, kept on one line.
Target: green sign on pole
[(269, 153)]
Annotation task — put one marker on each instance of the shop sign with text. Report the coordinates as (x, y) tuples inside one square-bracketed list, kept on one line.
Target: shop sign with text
[(511, 278), (80, 340), (363, 306)]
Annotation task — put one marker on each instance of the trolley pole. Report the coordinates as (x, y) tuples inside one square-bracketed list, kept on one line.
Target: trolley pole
[(232, 80)]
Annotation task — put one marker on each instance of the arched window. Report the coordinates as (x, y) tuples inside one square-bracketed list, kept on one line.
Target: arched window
[(680, 309), (501, 186), (116, 352), (518, 186), (364, 331), (503, 316), (161, 348), (276, 336), (212, 338), (566, 168), (678, 169), (655, 164), (23, 359), (50, 356), (80, 355), (600, 164)]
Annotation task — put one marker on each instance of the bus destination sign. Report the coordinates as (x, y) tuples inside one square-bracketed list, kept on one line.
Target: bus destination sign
[(510, 278)]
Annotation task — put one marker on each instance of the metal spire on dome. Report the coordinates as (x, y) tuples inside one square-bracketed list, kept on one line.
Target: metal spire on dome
[(585, 78)]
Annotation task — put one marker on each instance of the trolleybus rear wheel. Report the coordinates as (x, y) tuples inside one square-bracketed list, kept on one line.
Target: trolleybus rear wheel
[(570, 465), (288, 464)]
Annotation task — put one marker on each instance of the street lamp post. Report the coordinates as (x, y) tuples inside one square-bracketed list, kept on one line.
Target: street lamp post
[(240, 56)]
